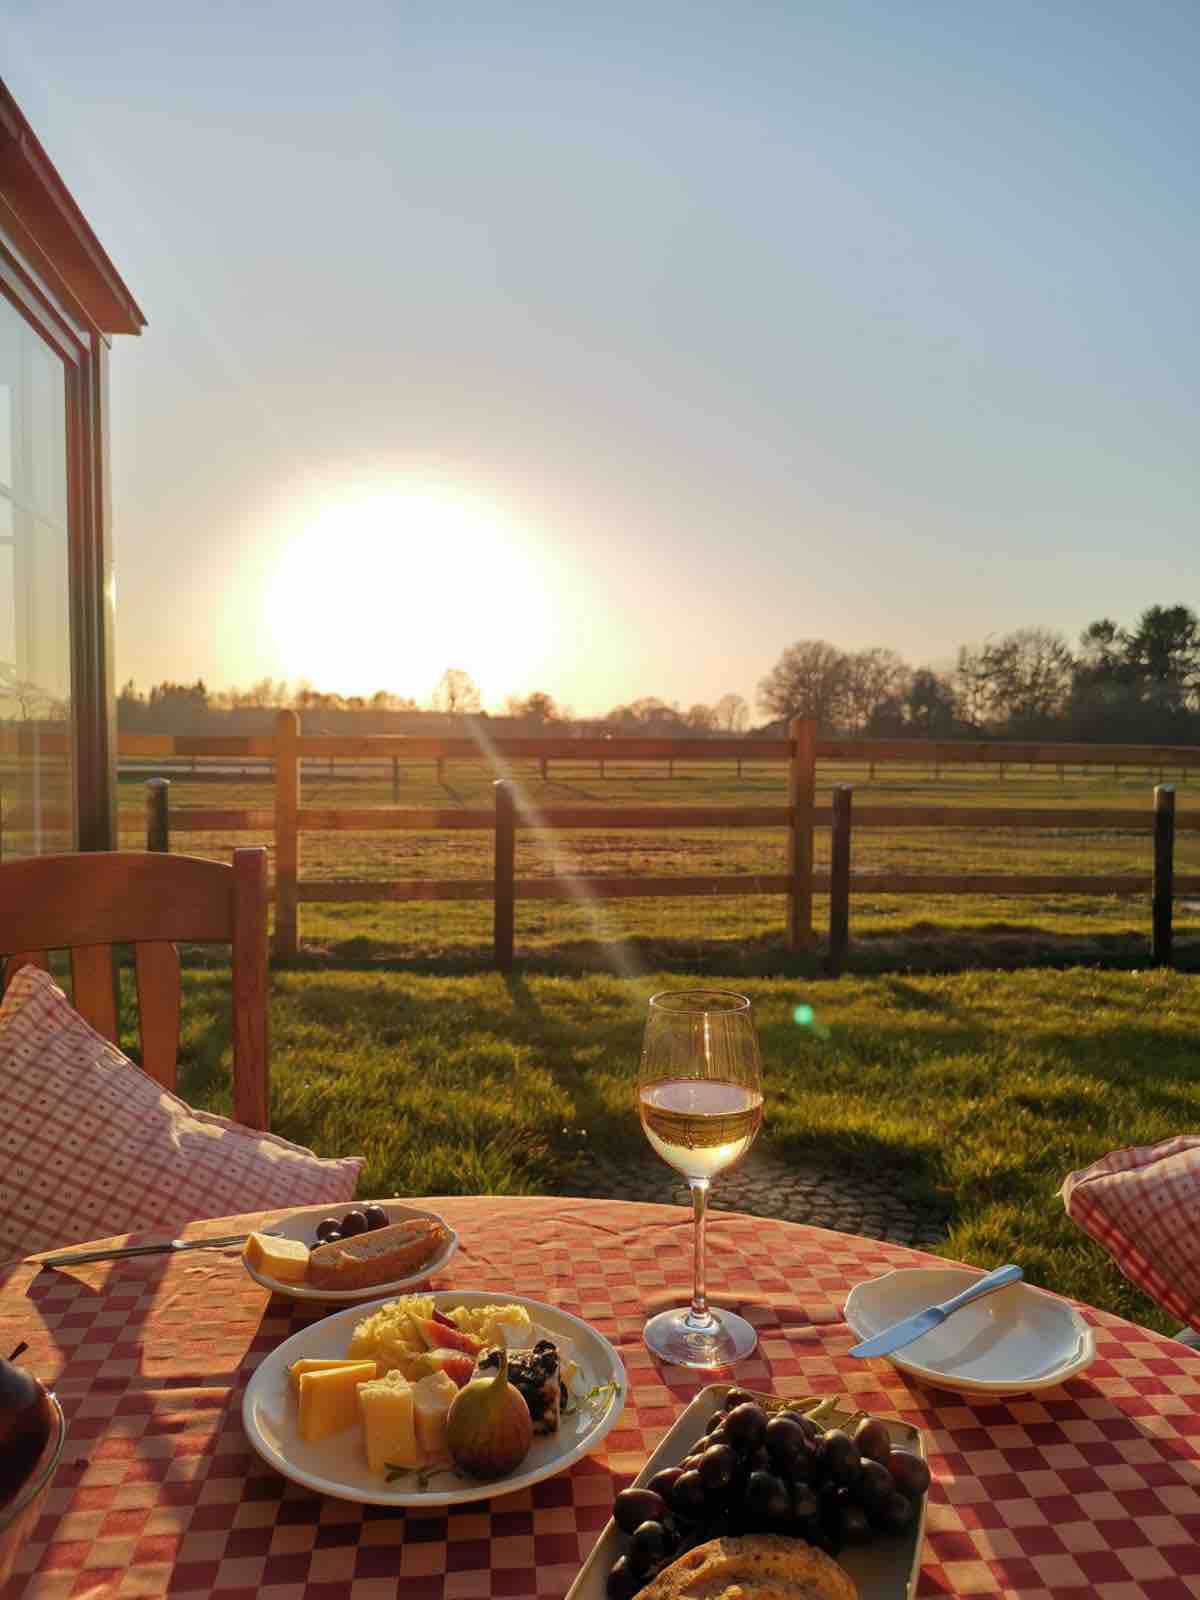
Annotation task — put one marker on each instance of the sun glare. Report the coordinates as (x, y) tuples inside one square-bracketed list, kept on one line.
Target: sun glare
[(385, 590)]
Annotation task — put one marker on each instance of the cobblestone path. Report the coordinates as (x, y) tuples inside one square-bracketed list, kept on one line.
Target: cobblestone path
[(765, 1186)]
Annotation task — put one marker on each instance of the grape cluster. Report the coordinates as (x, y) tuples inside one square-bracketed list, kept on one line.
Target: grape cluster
[(753, 1472)]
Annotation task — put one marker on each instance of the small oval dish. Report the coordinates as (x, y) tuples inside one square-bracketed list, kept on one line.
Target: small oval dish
[(302, 1224), (1011, 1342)]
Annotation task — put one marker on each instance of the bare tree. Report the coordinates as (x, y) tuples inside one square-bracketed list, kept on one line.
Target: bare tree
[(702, 718), (1023, 678), (874, 678), (808, 680), (537, 707), (732, 713), (456, 693)]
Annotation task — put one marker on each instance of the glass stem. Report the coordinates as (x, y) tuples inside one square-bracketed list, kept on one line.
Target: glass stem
[(699, 1316)]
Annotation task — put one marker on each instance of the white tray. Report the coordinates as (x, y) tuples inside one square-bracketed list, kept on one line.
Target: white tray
[(887, 1569)]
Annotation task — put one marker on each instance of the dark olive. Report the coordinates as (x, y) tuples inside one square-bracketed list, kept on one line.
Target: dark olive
[(663, 1482), (804, 1503), (738, 1397), (854, 1527), (717, 1467), (632, 1507), (649, 1545), (811, 1428), (376, 1217), (873, 1440), (687, 1497), (788, 1446), (354, 1222), (692, 1463), (623, 1583), (329, 1229), (838, 1458), (909, 1473), (767, 1499), (876, 1487), (897, 1514), (746, 1426)]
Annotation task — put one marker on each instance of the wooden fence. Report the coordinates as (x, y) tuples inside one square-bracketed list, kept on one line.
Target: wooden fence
[(289, 819)]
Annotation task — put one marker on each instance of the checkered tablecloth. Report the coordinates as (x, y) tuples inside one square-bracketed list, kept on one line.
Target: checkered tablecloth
[(1089, 1489)]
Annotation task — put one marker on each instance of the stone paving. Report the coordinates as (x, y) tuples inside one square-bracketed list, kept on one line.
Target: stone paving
[(765, 1186)]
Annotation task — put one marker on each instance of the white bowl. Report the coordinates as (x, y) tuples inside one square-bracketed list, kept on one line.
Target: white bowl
[(1010, 1342), (302, 1224)]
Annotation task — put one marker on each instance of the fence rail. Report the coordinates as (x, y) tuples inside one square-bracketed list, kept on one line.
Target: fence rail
[(288, 753)]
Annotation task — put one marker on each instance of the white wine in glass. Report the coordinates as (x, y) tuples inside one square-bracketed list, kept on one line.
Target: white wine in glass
[(700, 1100)]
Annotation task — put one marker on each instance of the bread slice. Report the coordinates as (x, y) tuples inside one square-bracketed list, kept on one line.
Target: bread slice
[(758, 1566), (379, 1257)]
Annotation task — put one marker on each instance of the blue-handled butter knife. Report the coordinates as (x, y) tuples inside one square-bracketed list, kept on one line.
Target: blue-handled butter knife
[(902, 1333)]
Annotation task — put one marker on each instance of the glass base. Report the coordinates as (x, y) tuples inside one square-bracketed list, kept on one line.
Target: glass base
[(675, 1338)]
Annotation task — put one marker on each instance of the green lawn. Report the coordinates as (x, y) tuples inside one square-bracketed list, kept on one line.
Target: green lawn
[(741, 932), (984, 1088)]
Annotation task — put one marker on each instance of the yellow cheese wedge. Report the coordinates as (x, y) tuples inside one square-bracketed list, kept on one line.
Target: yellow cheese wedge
[(286, 1260), (388, 1428), (328, 1400), (307, 1364)]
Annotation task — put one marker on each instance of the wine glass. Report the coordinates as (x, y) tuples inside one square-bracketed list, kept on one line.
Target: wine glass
[(700, 1098)]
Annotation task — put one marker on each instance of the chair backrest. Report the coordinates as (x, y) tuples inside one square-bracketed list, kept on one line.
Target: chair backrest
[(87, 903)]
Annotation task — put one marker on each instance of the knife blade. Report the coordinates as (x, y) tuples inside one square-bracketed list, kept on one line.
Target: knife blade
[(164, 1247), (911, 1328)]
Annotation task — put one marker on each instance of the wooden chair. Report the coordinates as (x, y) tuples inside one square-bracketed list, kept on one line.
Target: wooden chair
[(87, 903)]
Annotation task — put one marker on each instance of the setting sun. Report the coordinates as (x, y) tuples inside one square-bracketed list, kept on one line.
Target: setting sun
[(388, 588)]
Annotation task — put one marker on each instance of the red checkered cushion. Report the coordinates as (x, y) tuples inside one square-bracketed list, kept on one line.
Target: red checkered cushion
[(90, 1145), (1143, 1205)]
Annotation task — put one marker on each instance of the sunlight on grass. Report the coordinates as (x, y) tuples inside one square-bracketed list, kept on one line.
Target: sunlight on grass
[(981, 1090)]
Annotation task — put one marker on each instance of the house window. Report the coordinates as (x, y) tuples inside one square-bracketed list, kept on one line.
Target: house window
[(37, 787)]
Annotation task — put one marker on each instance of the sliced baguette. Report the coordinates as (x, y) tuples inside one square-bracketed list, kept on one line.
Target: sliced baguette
[(760, 1566), (383, 1256)]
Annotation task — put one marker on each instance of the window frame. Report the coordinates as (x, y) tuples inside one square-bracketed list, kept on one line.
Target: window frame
[(92, 609)]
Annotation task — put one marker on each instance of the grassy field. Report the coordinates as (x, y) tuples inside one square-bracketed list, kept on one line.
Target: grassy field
[(980, 1050), (743, 930), (983, 1088)]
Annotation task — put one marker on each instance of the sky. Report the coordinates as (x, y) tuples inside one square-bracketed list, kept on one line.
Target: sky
[(609, 349)]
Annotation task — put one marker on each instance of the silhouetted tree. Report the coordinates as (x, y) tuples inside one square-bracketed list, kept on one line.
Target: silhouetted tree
[(808, 680), (456, 693), (732, 713)]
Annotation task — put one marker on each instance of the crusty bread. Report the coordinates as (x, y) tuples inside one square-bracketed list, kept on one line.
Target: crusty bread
[(379, 1257), (759, 1566)]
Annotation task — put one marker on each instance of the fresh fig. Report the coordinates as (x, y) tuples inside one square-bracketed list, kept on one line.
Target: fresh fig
[(456, 1364), (439, 1336), (488, 1427), (26, 1422)]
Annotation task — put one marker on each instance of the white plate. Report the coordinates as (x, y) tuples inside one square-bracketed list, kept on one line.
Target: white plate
[(885, 1569), (302, 1225), (1010, 1342), (338, 1467)]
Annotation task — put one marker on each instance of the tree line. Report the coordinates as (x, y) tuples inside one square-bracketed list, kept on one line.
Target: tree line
[(1138, 684), (1135, 685)]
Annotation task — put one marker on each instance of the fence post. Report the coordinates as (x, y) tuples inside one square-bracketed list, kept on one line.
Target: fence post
[(839, 880), (441, 769), (545, 769), (802, 785), (1164, 875), (502, 926), (395, 780), (158, 833), (287, 833)]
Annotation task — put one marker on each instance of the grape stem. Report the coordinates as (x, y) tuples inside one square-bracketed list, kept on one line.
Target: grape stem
[(699, 1318)]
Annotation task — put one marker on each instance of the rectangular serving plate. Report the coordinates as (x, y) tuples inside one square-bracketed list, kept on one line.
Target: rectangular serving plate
[(887, 1569)]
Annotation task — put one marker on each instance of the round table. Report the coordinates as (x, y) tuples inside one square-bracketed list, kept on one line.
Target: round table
[(1088, 1489)]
